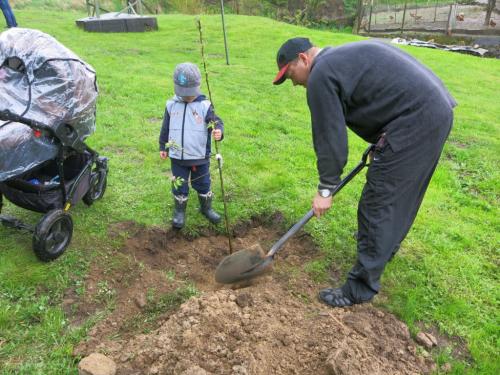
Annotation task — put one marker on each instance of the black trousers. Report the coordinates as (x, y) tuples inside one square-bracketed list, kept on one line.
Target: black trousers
[(395, 186)]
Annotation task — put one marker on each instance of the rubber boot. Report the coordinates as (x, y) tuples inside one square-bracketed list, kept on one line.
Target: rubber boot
[(179, 217), (206, 208)]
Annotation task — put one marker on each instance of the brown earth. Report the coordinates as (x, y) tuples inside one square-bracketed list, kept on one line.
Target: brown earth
[(274, 325)]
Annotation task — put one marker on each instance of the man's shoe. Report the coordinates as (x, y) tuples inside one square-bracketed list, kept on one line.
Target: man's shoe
[(334, 297)]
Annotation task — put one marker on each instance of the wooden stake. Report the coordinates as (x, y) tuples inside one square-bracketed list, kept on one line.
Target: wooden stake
[(219, 162)]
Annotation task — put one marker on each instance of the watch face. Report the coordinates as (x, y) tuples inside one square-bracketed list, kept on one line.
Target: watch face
[(325, 193)]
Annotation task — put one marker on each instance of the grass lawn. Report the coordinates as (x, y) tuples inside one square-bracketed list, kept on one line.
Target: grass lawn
[(446, 274)]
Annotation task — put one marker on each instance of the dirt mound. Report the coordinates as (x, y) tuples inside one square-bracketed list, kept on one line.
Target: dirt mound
[(273, 326), (265, 330)]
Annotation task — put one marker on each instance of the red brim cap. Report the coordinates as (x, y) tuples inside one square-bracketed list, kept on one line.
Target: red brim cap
[(281, 77)]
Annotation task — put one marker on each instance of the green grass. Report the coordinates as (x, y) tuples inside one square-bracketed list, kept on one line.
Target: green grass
[(446, 274)]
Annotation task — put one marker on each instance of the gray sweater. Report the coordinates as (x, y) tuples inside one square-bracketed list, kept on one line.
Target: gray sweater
[(373, 88)]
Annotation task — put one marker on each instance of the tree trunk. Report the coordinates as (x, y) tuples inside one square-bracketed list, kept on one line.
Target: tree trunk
[(489, 10)]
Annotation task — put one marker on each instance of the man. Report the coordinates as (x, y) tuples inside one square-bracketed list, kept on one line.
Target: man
[(8, 14), (388, 98)]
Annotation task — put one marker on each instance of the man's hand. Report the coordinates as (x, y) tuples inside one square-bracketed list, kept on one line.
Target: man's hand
[(217, 134), (320, 205), (163, 154)]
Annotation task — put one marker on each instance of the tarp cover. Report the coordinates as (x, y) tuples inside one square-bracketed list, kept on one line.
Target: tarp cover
[(42, 80), (462, 49)]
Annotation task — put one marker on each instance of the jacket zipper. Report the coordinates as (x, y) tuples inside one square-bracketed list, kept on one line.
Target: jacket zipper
[(182, 136)]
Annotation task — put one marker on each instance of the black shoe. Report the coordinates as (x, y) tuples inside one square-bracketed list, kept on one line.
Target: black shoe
[(334, 297), (206, 208), (179, 217)]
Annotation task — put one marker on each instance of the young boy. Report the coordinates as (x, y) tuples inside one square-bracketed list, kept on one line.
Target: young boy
[(8, 13), (187, 130)]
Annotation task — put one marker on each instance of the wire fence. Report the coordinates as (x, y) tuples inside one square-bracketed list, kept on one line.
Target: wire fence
[(446, 17)]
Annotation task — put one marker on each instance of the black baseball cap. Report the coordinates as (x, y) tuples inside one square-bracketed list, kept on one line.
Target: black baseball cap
[(287, 53)]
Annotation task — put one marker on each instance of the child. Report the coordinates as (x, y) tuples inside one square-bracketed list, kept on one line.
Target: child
[(187, 130), (8, 13)]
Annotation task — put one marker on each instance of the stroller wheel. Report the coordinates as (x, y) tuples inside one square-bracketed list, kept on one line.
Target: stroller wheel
[(52, 235), (98, 183)]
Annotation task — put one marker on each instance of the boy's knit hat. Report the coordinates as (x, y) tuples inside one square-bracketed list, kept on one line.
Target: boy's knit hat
[(187, 79)]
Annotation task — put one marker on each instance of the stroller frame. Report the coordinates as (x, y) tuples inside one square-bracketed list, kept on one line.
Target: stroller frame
[(52, 234)]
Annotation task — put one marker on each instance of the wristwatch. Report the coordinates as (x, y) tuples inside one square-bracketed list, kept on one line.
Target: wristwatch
[(325, 193)]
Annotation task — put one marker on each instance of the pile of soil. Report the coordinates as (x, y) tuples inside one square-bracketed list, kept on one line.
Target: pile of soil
[(274, 325), (265, 330)]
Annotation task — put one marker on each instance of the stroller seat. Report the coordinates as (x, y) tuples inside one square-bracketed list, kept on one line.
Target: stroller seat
[(39, 189)]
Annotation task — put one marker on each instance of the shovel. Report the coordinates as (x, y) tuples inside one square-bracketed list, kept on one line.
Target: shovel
[(249, 263)]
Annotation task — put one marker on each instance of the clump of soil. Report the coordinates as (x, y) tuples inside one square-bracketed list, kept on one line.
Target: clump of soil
[(274, 325)]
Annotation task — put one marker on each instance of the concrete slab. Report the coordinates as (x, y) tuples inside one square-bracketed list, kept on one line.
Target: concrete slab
[(118, 23)]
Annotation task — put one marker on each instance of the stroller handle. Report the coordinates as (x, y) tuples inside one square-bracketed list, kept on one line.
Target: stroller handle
[(7, 115), (65, 133)]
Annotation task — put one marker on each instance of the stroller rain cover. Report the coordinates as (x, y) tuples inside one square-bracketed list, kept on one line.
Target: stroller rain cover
[(41, 80)]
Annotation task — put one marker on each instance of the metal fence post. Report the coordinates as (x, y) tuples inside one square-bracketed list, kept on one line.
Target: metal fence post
[(435, 10), (404, 15), (224, 30), (448, 25), (360, 15), (370, 18)]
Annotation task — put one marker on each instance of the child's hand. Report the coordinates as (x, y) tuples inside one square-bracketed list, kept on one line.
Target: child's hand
[(217, 134), (163, 154)]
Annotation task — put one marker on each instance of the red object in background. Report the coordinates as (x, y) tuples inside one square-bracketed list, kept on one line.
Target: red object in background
[(37, 133)]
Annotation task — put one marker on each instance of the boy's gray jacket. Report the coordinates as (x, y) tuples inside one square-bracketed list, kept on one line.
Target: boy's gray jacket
[(185, 126)]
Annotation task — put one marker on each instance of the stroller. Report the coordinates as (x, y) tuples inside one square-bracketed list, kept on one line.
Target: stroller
[(47, 110)]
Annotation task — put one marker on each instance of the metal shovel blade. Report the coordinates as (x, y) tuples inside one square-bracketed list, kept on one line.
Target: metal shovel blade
[(242, 265)]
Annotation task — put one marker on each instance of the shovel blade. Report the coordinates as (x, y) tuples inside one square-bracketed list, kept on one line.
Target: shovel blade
[(242, 265)]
